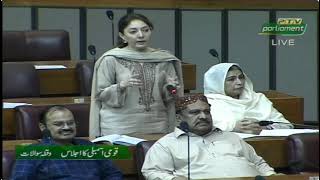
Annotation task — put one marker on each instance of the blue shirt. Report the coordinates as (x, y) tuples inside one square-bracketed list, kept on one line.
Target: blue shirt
[(66, 169)]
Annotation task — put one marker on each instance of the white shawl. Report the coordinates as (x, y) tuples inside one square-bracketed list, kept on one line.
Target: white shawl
[(226, 111)]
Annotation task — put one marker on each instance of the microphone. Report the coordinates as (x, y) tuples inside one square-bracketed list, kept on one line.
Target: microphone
[(47, 135), (92, 51), (266, 123), (171, 89), (110, 16), (298, 166), (185, 127), (259, 178), (214, 53)]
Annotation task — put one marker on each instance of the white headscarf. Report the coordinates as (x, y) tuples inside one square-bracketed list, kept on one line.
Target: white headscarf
[(226, 111)]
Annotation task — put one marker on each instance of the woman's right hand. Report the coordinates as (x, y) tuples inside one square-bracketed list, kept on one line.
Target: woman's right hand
[(133, 80)]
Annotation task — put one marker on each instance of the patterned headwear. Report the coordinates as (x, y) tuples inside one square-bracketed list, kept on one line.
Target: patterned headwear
[(184, 101)]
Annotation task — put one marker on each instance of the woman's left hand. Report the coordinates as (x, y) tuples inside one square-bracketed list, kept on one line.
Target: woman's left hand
[(173, 81), (248, 126)]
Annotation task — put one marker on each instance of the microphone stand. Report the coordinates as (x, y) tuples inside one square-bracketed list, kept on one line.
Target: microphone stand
[(299, 126), (112, 24), (266, 123), (46, 134), (214, 53), (110, 16), (92, 51), (185, 127), (188, 155)]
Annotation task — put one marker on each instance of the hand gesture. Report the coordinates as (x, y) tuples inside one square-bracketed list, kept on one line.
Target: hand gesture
[(133, 80), (172, 84), (172, 80)]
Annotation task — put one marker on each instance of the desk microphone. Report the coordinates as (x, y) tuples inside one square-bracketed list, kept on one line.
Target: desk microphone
[(92, 51), (185, 127), (214, 53), (110, 16), (298, 166), (259, 178), (266, 123), (172, 89), (47, 135)]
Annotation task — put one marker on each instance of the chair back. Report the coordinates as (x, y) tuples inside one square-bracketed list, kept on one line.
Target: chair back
[(303, 152), (85, 74), (8, 159), (141, 151), (40, 45), (27, 118), (19, 80)]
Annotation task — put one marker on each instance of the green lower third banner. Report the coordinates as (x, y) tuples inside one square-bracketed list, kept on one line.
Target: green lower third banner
[(78, 152)]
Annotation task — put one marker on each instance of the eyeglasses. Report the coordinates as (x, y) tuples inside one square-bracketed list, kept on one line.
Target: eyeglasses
[(62, 124)]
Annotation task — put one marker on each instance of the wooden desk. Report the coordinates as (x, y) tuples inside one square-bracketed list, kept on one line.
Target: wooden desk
[(65, 81), (277, 157), (290, 106), (278, 177), (274, 150)]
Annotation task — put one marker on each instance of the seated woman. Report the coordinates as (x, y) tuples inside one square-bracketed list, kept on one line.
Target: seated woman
[(234, 104)]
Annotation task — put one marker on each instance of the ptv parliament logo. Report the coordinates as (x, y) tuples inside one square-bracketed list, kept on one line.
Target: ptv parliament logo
[(284, 27)]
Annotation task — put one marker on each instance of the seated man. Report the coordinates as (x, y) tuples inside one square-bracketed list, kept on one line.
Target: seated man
[(60, 128), (213, 153)]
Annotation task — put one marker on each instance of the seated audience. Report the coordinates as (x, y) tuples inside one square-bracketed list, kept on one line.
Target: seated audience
[(59, 128), (213, 153), (236, 107)]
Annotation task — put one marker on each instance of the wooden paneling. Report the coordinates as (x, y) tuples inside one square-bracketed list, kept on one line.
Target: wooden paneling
[(290, 106), (193, 4), (64, 82), (189, 76), (8, 123), (56, 82), (278, 156)]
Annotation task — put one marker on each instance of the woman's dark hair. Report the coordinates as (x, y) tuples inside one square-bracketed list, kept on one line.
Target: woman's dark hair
[(126, 20), (235, 67)]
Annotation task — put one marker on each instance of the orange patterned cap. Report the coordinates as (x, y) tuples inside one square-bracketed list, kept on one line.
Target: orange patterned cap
[(184, 101)]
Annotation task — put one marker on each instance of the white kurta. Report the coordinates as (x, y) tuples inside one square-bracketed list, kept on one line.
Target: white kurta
[(226, 111), (216, 155)]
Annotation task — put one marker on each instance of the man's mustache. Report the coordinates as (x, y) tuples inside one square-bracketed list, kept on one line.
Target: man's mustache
[(206, 120), (67, 130)]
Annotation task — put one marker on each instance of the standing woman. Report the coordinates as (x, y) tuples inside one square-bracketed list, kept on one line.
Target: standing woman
[(130, 84)]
